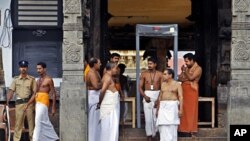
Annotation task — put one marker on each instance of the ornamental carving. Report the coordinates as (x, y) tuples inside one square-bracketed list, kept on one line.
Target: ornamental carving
[(72, 53), (243, 92), (72, 6), (241, 53), (240, 97), (241, 5)]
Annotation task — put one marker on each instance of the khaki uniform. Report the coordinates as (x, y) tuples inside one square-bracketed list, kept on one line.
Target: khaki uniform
[(24, 88)]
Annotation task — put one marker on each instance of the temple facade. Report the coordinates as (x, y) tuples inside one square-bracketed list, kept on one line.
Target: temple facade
[(64, 33)]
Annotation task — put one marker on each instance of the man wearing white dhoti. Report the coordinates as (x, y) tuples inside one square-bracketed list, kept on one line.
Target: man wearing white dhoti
[(149, 87), (44, 130), (109, 105), (93, 81), (169, 107)]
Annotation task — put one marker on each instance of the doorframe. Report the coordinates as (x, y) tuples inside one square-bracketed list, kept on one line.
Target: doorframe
[(153, 30)]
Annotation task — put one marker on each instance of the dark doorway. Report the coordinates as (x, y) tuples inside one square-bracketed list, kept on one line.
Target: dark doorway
[(38, 45), (37, 34)]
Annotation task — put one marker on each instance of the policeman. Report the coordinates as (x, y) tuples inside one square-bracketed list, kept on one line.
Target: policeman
[(24, 87)]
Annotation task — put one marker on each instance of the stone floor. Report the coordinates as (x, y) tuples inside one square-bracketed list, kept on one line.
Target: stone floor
[(204, 134), (130, 134), (134, 134)]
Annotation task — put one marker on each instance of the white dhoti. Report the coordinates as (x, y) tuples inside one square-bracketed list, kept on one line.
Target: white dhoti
[(109, 116), (94, 127), (168, 120), (44, 130), (150, 113)]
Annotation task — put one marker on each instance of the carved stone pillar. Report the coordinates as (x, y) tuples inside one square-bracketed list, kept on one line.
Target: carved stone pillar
[(239, 92), (73, 118), (224, 69)]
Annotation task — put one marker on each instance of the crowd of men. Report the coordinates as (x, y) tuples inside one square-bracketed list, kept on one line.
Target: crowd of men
[(170, 106)]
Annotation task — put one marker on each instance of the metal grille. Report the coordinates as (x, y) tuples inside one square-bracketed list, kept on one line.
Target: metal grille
[(38, 13)]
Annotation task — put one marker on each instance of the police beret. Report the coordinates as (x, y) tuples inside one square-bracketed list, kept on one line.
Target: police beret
[(23, 63)]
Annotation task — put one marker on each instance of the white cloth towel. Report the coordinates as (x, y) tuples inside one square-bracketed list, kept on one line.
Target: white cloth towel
[(168, 113), (168, 120)]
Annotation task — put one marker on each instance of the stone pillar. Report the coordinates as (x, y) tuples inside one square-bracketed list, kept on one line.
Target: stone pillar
[(239, 92), (222, 97), (73, 118), (224, 49)]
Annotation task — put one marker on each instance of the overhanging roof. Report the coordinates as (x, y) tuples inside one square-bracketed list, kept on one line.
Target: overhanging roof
[(149, 11)]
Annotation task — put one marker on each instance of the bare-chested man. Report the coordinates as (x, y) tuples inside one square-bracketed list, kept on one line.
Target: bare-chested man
[(93, 78), (109, 104), (44, 130), (170, 107), (190, 76), (115, 58), (149, 88), (94, 85)]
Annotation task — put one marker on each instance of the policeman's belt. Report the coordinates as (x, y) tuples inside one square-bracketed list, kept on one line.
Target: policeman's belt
[(21, 101)]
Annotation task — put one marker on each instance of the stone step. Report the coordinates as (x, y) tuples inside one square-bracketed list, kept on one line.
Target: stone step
[(202, 139), (182, 139), (212, 132), (204, 134)]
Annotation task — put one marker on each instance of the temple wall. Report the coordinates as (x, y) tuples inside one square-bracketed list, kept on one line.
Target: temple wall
[(239, 92)]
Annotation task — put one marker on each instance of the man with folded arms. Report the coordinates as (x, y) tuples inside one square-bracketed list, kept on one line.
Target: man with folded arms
[(190, 76)]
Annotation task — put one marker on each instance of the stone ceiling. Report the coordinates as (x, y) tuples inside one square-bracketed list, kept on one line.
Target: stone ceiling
[(149, 11)]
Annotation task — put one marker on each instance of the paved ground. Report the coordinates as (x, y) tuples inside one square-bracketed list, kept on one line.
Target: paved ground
[(130, 134), (204, 134)]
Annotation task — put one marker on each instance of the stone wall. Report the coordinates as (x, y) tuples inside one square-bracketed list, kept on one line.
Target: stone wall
[(238, 102)]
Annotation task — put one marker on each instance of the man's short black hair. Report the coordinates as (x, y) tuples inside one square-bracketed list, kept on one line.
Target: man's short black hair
[(189, 56), (170, 71), (152, 60), (92, 62), (122, 68), (42, 64), (115, 54)]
